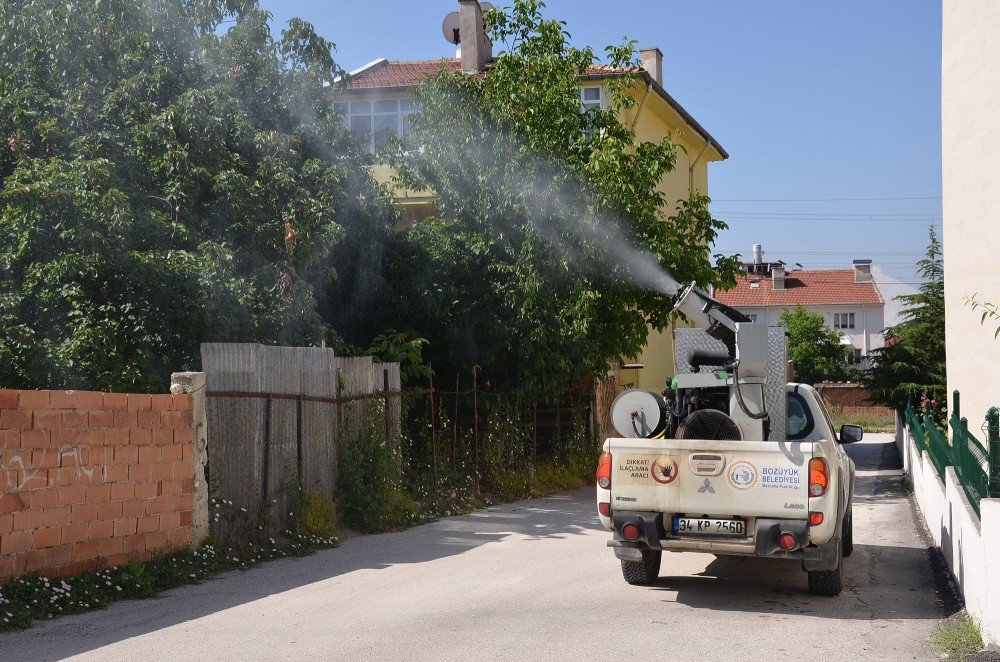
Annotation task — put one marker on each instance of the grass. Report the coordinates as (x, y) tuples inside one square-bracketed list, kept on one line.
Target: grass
[(871, 422), (36, 597), (959, 636)]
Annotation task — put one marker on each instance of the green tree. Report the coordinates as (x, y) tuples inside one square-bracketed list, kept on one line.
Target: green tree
[(552, 246), (814, 347), (170, 173), (912, 363)]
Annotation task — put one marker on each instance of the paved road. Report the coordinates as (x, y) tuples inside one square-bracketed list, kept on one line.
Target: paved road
[(534, 581)]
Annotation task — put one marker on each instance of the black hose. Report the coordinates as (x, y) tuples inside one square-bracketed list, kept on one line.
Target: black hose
[(762, 416)]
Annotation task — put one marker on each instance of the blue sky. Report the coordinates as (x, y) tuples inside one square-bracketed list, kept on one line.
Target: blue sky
[(827, 109)]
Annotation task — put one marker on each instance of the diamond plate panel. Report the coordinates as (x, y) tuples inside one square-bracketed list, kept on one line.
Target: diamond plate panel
[(686, 341)]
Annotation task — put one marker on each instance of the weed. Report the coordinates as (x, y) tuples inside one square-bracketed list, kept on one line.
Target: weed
[(35, 597), (959, 635)]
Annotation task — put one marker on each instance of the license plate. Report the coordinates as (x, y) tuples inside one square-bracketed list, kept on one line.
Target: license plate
[(693, 526)]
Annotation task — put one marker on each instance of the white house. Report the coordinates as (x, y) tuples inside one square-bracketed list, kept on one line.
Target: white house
[(848, 299)]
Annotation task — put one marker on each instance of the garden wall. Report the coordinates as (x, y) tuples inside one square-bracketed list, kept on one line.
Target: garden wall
[(850, 398), (970, 545), (92, 479)]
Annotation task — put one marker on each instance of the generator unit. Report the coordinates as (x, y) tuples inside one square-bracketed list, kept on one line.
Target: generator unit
[(730, 381)]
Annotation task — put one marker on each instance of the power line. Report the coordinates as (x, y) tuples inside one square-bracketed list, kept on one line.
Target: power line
[(769, 214), (931, 197)]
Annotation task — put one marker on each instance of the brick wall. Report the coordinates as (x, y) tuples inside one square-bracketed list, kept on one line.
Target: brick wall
[(90, 480), (850, 398)]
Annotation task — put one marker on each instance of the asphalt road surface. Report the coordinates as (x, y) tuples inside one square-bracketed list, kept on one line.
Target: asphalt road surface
[(534, 581)]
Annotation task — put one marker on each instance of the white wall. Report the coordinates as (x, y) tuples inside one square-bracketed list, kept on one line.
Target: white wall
[(969, 544), (869, 320), (970, 142)]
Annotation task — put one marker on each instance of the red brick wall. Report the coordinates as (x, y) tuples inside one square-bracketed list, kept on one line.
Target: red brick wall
[(849, 397), (91, 480)]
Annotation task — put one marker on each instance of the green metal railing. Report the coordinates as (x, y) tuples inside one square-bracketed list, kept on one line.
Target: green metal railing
[(976, 466)]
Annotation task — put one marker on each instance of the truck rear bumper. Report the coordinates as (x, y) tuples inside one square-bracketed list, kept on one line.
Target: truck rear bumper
[(762, 543)]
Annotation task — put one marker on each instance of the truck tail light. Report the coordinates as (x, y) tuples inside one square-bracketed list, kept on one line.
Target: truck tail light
[(604, 509), (815, 519), (787, 542), (604, 471), (818, 477), (630, 531)]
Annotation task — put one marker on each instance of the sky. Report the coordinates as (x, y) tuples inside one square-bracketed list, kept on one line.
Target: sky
[(830, 111)]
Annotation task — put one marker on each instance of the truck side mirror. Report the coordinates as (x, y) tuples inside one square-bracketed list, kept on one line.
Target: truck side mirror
[(851, 433)]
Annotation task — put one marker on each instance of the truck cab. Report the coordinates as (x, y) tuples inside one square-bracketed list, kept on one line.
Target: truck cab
[(786, 499)]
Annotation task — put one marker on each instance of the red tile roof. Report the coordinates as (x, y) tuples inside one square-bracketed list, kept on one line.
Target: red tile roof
[(414, 72), (401, 74), (801, 287)]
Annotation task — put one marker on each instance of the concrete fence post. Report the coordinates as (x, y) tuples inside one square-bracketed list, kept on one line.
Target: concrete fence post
[(193, 383)]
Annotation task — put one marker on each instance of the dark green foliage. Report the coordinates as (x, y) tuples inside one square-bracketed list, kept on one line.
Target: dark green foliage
[(371, 496), (912, 363), (814, 347), (171, 174)]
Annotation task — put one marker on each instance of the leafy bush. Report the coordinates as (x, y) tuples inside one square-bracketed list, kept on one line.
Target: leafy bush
[(370, 489), (316, 514)]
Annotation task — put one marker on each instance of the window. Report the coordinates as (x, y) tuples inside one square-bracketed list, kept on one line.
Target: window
[(752, 316), (843, 320), (590, 97), (800, 421), (855, 356), (379, 122)]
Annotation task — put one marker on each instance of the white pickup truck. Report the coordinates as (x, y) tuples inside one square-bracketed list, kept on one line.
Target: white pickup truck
[(788, 499)]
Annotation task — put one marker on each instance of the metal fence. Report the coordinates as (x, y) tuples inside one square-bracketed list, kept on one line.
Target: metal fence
[(977, 467)]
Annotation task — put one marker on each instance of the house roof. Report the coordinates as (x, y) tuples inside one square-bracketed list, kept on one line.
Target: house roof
[(835, 286), (386, 74)]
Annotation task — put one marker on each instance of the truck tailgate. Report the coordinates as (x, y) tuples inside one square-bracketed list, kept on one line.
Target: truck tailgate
[(710, 478)]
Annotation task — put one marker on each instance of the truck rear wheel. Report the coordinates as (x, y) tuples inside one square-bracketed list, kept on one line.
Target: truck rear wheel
[(644, 572), (828, 582)]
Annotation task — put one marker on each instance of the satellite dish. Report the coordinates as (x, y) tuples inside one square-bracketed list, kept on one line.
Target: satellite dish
[(450, 28)]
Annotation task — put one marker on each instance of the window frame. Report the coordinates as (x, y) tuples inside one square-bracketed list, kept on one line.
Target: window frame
[(585, 104), (348, 112), (844, 321)]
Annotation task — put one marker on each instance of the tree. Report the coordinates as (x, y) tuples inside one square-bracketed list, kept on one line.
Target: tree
[(912, 363), (814, 347), (552, 249), (171, 173)]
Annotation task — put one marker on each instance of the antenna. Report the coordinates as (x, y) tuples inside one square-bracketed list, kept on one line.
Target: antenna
[(450, 28)]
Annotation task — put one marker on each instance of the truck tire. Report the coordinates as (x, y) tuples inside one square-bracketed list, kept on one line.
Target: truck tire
[(848, 537), (645, 572), (828, 582)]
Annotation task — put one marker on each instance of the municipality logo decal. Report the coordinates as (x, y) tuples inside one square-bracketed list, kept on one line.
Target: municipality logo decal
[(706, 488)]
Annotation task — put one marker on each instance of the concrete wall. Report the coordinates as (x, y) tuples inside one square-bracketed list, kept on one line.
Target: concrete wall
[(92, 480), (969, 544), (970, 157)]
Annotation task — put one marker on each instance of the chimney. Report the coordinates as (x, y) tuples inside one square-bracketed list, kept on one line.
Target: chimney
[(652, 62), (778, 276), (862, 271), (476, 47)]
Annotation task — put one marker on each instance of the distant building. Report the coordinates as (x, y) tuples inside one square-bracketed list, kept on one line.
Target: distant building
[(848, 299)]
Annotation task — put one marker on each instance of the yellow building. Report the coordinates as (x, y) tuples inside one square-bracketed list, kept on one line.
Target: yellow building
[(376, 106)]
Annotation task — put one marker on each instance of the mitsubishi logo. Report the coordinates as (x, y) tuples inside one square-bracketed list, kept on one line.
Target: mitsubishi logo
[(706, 488)]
